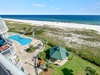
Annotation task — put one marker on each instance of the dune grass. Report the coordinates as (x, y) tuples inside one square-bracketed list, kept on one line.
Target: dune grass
[(87, 52)]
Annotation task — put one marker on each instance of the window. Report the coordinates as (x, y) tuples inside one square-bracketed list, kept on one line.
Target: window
[(6, 52)]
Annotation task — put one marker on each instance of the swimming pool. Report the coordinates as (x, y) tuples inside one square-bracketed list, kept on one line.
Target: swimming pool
[(20, 39)]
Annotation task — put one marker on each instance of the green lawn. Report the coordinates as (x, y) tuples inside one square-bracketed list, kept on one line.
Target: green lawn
[(77, 65), (74, 66)]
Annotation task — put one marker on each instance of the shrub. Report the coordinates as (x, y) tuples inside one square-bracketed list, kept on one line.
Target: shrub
[(51, 44), (14, 30), (69, 49), (48, 65), (90, 71), (42, 55), (31, 49), (39, 31)]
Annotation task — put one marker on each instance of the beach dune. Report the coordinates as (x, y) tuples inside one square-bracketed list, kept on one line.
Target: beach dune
[(59, 24)]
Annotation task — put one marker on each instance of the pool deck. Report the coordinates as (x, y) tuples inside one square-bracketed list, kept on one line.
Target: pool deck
[(28, 60)]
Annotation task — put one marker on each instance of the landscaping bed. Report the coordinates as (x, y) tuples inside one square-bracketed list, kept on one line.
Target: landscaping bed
[(49, 72), (40, 62)]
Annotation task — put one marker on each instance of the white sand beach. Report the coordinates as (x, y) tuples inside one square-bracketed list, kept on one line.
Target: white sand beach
[(59, 24)]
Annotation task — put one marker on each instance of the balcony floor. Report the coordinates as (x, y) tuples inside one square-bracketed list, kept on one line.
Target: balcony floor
[(4, 47)]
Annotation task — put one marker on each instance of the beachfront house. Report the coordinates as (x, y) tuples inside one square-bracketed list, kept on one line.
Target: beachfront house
[(7, 47), (58, 55)]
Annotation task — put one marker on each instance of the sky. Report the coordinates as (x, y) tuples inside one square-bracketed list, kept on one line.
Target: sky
[(50, 7)]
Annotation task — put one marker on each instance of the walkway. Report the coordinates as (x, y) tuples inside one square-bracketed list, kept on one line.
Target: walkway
[(28, 59)]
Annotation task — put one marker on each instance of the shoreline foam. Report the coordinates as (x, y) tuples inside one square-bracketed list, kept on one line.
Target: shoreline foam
[(58, 24)]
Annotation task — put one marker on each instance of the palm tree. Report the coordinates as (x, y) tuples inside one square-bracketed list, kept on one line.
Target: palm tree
[(42, 55), (25, 30), (48, 65)]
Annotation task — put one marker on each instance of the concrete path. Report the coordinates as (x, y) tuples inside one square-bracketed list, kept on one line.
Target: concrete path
[(29, 60)]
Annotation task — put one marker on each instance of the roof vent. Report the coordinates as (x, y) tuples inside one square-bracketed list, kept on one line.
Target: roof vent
[(56, 48)]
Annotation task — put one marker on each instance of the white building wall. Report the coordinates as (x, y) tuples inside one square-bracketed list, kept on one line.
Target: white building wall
[(4, 35), (3, 27), (9, 66)]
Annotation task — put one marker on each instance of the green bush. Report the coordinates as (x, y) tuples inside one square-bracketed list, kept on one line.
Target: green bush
[(69, 49), (42, 55), (51, 44), (90, 71), (31, 49), (39, 32), (14, 30)]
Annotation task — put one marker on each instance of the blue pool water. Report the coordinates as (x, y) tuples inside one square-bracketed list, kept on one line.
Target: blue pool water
[(21, 40)]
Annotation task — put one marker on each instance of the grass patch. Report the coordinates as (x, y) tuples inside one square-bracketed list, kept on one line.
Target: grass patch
[(74, 66)]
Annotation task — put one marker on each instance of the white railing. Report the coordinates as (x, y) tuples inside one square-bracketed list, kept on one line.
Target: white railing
[(2, 30), (8, 41), (12, 47)]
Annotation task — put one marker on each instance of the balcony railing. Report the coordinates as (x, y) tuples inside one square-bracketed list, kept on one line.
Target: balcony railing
[(8, 41), (2, 29), (9, 45), (4, 47), (15, 59)]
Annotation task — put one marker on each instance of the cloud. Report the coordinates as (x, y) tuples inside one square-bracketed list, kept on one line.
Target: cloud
[(98, 3), (38, 5), (57, 8), (96, 7), (54, 8), (83, 9)]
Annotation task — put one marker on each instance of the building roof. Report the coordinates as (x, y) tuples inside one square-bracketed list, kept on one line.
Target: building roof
[(58, 52), (3, 27)]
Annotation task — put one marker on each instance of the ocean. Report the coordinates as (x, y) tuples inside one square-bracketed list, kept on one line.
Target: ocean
[(82, 19)]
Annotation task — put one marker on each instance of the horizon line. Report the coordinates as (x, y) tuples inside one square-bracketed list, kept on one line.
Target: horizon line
[(49, 14)]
